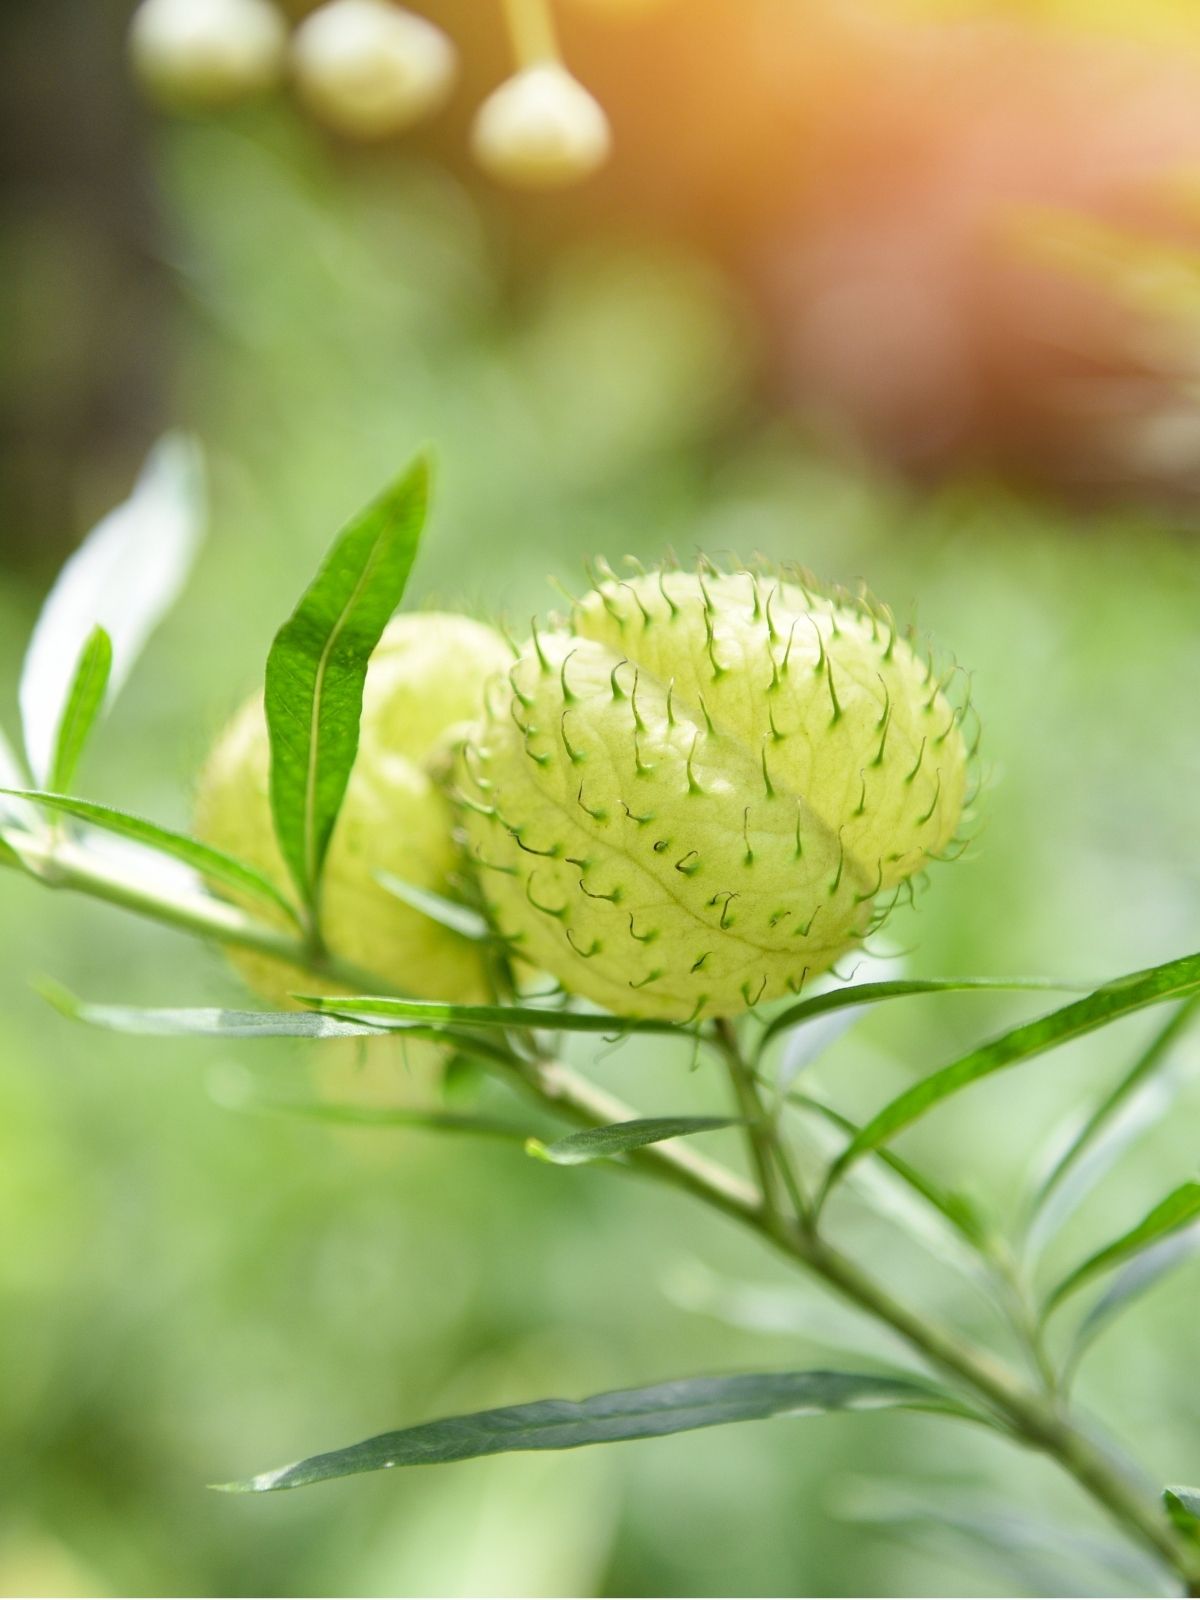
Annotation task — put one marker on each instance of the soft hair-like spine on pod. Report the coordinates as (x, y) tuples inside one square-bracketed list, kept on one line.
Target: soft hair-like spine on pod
[(706, 787)]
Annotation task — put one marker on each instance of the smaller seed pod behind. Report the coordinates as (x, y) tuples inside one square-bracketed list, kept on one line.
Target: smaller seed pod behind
[(690, 801), (426, 677)]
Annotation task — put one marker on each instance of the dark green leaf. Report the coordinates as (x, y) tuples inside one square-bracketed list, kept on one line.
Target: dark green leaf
[(1172, 981), (598, 1144), (866, 994), (124, 577), (385, 1007), (623, 1414), (1147, 1063), (212, 864), (1181, 1207), (84, 700), (1183, 1508), (318, 666), (449, 913)]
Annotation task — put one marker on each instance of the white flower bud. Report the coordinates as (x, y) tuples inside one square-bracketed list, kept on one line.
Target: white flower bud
[(369, 69), (205, 52), (540, 129)]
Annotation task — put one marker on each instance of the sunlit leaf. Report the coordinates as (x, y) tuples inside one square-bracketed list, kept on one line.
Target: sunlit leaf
[(1136, 1279), (85, 699), (210, 1022), (622, 1414), (318, 666), (213, 865), (1171, 981), (865, 994), (1178, 1210), (384, 1007), (13, 777), (599, 1144), (123, 578), (448, 913), (205, 1022)]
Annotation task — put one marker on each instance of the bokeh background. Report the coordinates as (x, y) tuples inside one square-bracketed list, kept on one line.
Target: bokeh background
[(908, 293)]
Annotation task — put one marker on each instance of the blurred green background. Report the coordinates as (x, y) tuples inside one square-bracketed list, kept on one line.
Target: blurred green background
[(188, 1293)]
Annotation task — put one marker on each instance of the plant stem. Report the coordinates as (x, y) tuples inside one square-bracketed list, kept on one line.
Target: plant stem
[(1038, 1420), (531, 29)]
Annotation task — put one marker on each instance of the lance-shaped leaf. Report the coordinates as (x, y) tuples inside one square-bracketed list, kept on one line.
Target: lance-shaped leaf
[(351, 1116), (622, 1414), (213, 865), (600, 1144), (123, 578), (318, 666), (85, 699), (384, 1009), (868, 994), (1173, 980), (1179, 1210)]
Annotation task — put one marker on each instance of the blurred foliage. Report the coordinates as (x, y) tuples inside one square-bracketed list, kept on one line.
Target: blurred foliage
[(188, 1293)]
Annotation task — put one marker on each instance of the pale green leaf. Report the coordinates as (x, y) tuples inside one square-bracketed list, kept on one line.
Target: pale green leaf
[(123, 578), (1135, 1279), (599, 1144), (448, 913), (318, 666)]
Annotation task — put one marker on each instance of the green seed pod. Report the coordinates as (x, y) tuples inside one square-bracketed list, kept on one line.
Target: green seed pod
[(691, 799), (426, 676)]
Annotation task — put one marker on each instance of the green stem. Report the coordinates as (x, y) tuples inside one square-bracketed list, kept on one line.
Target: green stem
[(1037, 1420), (531, 29), (759, 1137)]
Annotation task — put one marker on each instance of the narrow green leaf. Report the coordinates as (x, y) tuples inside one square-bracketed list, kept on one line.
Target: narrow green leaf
[(1173, 980), (385, 1007), (1183, 1508), (623, 1414), (867, 994), (599, 1144), (125, 575), (84, 700), (1135, 1279), (1178, 1210), (1146, 1064), (212, 864), (448, 913), (318, 666)]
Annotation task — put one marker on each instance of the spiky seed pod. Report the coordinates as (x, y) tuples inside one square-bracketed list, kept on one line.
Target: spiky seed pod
[(426, 677), (541, 129), (371, 69), (692, 797), (207, 52)]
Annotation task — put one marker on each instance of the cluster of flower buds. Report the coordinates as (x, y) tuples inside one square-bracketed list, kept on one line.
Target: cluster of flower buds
[(369, 69)]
